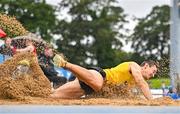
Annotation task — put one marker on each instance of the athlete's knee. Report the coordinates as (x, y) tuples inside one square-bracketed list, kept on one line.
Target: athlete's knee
[(99, 87), (98, 84)]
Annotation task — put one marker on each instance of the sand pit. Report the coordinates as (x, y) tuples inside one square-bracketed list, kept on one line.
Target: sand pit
[(33, 83), (34, 88)]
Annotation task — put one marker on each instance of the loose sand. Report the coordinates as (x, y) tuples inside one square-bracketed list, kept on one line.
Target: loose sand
[(16, 86)]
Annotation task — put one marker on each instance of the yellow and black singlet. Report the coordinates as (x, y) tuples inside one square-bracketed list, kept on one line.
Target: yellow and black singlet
[(119, 74)]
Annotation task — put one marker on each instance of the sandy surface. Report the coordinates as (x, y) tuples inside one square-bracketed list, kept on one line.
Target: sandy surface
[(92, 101)]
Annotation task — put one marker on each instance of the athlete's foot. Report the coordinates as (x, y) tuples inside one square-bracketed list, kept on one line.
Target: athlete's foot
[(59, 61)]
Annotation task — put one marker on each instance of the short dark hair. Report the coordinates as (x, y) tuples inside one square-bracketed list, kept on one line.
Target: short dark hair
[(150, 63)]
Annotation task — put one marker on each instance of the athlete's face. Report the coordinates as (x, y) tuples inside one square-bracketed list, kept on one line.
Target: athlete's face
[(149, 71)]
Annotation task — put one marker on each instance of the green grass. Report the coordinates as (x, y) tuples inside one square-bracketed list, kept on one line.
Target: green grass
[(157, 82)]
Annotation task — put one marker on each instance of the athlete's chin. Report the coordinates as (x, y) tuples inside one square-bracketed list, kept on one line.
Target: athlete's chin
[(146, 77)]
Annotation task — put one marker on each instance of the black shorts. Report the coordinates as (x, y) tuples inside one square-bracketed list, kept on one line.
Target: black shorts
[(87, 88)]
